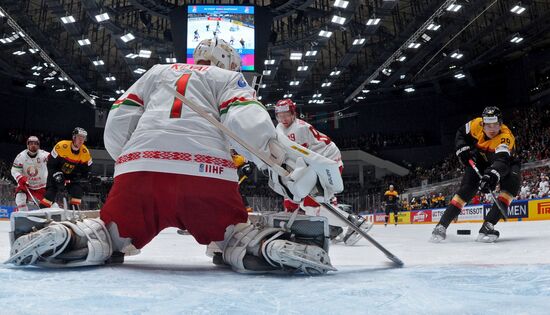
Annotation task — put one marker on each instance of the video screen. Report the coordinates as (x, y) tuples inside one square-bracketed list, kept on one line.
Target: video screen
[(234, 24)]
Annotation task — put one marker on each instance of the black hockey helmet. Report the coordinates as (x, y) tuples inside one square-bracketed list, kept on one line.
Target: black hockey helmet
[(80, 131), (492, 114)]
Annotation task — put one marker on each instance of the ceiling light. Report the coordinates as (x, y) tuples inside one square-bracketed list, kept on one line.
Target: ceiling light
[(425, 37), (140, 71), (375, 81), (341, 4), (324, 33), (310, 101), (48, 78), (296, 56), (335, 73), (2, 14), (360, 97), (36, 74), (269, 62), (358, 41), (338, 19), (517, 9), (110, 79), (403, 76), (266, 72), (433, 27), (294, 83), (132, 56), (30, 85), (303, 68), (516, 39), (402, 58), (60, 90), (263, 86), (98, 62), (171, 60), (311, 53), (365, 91), (84, 42), (414, 45), (260, 98), (460, 75), (373, 21), (409, 89), (144, 53), (102, 17), (37, 68), (33, 51), (326, 84), (19, 52), (127, 37), (457, 55), (120, 91), (317, 95), (68, 19), (320, 101), (454, 7), (387, 71), (112, 99), (287, 95)]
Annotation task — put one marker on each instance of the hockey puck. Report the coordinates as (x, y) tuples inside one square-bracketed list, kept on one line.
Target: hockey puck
[(463, 232)]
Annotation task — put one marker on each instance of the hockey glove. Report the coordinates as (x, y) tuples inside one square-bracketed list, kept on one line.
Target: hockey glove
[(489, 180), (58, 178), (22, 182), (464, 154)]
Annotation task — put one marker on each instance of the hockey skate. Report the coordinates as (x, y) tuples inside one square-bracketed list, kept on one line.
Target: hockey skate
[(309, 259), (487, 233), (438, 234), (41, 244), (351, 237)]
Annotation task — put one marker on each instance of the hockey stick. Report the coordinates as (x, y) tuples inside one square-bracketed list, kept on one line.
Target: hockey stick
[(32, 197), (277, 168), (493, 197)]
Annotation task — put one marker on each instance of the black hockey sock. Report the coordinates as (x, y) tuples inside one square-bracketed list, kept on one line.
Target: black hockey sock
[(450, 213), (494, 214), (387, 218)]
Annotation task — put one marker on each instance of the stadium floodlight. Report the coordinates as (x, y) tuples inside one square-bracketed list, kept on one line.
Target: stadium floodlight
[(140, 71), (127, 37), (303, 68), (294, 83), (402, 58), (324, 33), (48, 78), (403, 76), (6, 40), (373, 21), (433, 27), (426, 37), (68, 19), (454, 7), (260, 98), (459, 75), (518, 9), (143, 53), (112, 99), (335, 73), (310, 101), (387, 71), (311, 53), (98, 62), (33, 51), (320, 101), (37, 68), (295, 56), (338, 20), (360, 97), (289, 95), (326, 84), (414, 45), (30, 85), (36, 74), (132, 56), (516, 39), (341, 4), (171, 60), (60, 90), (120, 91), (365, 91), (110, 78), (457, 55), (266, 72), (269, 62), (375, 81), (317, 95), (19, 52), (84, 42), (409, 89), (358, 41), (102, 17)]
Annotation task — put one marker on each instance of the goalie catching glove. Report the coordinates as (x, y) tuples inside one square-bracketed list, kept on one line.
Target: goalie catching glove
[(308, 171)]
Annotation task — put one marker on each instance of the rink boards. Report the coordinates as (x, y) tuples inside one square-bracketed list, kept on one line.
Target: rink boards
[(519, 210)]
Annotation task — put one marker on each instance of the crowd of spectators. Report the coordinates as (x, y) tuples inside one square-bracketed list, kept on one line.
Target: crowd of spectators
[(373, 142)]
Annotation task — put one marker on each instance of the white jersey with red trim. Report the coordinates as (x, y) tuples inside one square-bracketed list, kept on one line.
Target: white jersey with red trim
[(34, 168), (305, 134), (149, 130)]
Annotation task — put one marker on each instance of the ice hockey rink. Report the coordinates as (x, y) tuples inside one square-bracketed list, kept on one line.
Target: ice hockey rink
[(173, 276), (244, 32)]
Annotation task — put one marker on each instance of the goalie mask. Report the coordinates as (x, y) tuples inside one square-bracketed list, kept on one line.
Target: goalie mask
[(219, 53)]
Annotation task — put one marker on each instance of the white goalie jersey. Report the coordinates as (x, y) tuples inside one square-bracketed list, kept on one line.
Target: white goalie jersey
[(34, 168), (306, 135), (149, 130)]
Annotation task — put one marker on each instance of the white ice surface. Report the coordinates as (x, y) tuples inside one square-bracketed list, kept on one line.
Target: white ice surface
[(173, 276)]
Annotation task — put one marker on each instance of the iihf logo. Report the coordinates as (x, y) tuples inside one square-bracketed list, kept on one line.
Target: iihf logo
[(208, 168)]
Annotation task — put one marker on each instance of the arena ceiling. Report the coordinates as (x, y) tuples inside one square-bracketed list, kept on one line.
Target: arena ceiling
[(374, 45)]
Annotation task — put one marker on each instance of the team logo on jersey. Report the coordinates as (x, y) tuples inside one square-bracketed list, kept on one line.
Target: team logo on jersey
[(242, 83), (209, 168), (32, 171)]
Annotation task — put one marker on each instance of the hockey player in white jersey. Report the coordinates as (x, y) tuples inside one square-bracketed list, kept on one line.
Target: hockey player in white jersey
[(174, 169), (30, 172), (306, 135)]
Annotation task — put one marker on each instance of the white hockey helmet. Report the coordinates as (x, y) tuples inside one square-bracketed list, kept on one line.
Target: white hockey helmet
[(219, 53)]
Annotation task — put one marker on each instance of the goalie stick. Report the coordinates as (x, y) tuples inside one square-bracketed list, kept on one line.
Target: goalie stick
[(268, 160), (493, 197)]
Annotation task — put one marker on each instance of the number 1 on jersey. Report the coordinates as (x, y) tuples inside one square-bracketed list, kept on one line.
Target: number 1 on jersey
[(181, 86)]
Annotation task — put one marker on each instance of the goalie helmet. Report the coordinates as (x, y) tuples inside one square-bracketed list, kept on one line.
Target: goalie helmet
[(219, 53), (80, 131), (285, 105), (491, 114)]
